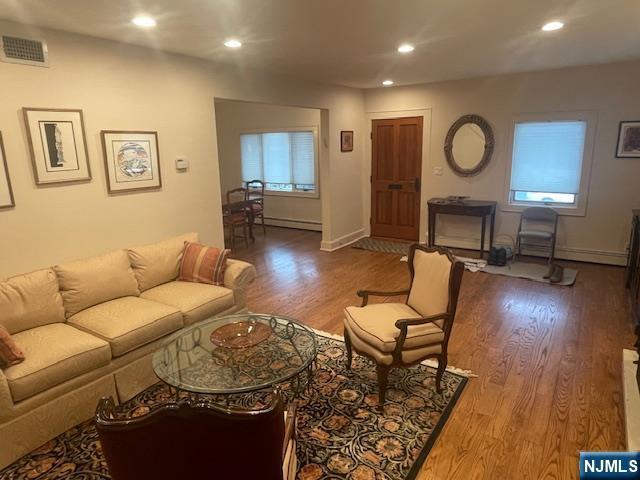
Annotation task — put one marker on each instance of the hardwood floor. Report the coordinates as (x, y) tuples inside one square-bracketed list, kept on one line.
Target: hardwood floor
[(548, 358)]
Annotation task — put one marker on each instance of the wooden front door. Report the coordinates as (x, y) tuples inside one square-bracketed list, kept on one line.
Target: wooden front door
[(396, 170)]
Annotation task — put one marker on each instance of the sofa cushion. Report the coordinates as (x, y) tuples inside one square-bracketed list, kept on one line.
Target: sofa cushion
[(375, 324), (85, 283), (54, 354), (203, 264), (158, 263), (30, 300), (196, 301), (128, 322)]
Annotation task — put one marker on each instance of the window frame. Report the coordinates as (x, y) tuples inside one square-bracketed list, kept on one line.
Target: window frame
[(579, 208), (294, 193)]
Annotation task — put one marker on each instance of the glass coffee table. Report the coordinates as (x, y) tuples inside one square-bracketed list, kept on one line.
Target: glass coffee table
[(238, 354)]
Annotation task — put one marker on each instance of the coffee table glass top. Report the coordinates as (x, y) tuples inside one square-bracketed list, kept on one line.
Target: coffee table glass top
[(235, 353)]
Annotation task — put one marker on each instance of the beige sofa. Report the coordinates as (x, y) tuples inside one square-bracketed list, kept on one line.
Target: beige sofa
[(89, 328)]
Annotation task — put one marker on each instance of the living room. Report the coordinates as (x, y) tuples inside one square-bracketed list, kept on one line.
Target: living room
[(526, 374)]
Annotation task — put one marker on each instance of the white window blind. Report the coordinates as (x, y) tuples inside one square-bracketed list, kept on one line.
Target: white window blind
[(303, 158), (251, 152), (285, 161), (547, 156)]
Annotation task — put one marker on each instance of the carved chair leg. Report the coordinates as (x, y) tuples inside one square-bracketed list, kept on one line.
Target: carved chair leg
[(264, 227), (347, 344), (383, 374), (442, 365)]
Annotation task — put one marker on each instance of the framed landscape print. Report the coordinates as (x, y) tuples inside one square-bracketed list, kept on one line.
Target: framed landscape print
[(629, 140), (57, 145), (131, 160), (6, 194), (346, 141)]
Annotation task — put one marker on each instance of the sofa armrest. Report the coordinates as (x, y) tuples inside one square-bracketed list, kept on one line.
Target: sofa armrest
[(6, 400), (238, 274)]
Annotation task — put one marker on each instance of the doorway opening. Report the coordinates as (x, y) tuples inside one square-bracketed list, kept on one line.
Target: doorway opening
[(275, 152)]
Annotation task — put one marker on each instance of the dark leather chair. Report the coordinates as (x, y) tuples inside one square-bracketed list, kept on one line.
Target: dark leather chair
[(199, 440)]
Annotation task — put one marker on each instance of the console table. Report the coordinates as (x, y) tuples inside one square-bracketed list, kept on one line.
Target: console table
[(470, 208)]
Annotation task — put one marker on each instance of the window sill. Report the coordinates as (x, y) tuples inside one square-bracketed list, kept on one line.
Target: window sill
[(276, 193), (573, 211)]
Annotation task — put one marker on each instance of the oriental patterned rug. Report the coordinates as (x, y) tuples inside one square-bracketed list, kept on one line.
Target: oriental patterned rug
[(341, 433)]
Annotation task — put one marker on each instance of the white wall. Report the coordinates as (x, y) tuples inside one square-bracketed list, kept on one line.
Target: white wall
[(608, 90), (234, 118), (124, 87)]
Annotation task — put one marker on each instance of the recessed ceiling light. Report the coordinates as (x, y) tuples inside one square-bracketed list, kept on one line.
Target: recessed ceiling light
[(406, 48), (386, 83), (233, 43), (551, 26), (144, 21)]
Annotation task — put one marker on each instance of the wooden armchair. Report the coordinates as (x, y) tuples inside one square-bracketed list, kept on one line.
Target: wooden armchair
[(199, 440), (255, 192), (405, 334)]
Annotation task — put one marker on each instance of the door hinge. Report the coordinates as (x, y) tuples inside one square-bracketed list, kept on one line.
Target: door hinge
[(370, 220), (370, 178), (371, 135)]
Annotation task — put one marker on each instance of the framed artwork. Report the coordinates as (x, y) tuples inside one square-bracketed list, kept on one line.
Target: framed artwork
[(346, 141), (57, 145), (629, 140), (6, 194), (131, 160)]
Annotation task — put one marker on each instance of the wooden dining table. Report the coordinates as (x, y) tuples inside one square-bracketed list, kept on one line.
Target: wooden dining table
[(244, 205)]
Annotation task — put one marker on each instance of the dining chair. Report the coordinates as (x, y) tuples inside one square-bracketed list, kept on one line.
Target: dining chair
[(255, 194), (235, 215), (199, 439), (538, 225), (405, 334)]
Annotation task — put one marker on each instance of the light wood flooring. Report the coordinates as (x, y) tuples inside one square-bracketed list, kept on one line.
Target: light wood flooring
[(548, 358)]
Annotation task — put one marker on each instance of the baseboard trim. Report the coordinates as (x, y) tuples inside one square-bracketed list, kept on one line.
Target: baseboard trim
[(333, 245), (562, 253), (294, 223)]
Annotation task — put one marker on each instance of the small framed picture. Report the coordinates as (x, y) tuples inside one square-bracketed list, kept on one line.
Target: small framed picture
[(6, 194), (629, 140), (131, 160), (346, 141), (57, 145)]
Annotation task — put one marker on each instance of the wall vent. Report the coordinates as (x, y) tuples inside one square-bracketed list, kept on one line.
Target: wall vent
[(26, 51)]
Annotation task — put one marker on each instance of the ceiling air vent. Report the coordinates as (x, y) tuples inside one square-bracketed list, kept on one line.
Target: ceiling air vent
[(23, 50)]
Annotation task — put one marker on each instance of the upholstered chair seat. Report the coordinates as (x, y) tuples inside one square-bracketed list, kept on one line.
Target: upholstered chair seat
[(404, 334)]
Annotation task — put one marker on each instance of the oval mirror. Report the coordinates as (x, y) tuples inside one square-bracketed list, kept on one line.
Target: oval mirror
[(469, 145)]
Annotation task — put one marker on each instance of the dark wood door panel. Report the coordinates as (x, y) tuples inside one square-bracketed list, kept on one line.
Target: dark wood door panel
[(396, 169)]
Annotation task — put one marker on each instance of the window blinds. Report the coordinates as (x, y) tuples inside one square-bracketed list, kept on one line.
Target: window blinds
[(279, 157), (251, 153), (547, 156)]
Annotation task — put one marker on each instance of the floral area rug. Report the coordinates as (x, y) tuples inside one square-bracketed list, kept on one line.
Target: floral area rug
[(341, 432)]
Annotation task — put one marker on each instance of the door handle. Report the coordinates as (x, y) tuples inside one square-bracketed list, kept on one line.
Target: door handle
[(394, 186), (416, 184)]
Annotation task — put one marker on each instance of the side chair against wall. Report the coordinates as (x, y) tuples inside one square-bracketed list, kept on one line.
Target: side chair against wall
[(539, 225), (192, 439), (234, 217), (405, 334), (255, 191)]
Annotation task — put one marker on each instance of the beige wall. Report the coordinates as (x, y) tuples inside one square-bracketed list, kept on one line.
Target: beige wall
[(234, 118), (608, 90), (125, 87)]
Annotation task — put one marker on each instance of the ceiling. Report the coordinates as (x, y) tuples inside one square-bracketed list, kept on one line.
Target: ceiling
[(354, 42)]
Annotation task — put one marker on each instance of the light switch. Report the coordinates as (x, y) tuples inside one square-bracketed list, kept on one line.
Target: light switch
[(437, 171), (182, 164)]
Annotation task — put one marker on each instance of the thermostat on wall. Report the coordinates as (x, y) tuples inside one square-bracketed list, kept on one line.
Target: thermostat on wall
[(182, 164)]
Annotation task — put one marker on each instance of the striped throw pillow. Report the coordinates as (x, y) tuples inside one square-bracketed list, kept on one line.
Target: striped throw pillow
[(10, 354), (203, 264)]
